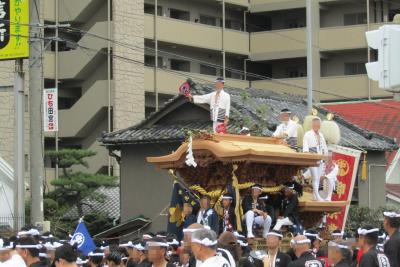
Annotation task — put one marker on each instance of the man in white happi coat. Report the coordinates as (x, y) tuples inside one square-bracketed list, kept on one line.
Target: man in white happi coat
[(331, 170), (287, 129), (220, 103), (314, 142)]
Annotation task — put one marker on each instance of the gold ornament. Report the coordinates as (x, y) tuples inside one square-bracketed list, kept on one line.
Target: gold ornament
[(176, 215), (343, 167)]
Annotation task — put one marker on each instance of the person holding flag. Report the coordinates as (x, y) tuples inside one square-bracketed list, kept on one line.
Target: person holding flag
[(220, 104), (83, 239)]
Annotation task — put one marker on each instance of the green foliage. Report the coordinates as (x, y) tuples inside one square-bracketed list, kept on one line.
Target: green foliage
[(359, 216), (73, 188)]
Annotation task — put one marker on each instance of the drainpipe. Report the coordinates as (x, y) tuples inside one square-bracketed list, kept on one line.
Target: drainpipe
[(223, 39), (368, 50), (369, 180), (109, 126), (155, 52)]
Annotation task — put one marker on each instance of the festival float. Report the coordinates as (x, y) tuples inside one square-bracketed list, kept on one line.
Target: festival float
[(207, 163)]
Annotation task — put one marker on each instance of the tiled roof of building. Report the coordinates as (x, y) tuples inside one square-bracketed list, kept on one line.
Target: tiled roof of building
[(251, 107), (109, 206), (382, 117)]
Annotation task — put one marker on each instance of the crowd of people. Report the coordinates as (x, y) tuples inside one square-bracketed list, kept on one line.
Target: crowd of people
[(202, 247)]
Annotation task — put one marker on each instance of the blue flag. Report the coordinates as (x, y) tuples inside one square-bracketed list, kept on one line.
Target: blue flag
[(83, 239)]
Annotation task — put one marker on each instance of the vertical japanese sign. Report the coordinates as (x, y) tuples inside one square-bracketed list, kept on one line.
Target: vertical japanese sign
[(347, 160), (50, 110), (14, 29)]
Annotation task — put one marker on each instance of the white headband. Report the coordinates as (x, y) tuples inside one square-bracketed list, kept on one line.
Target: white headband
[(139, 247), (104, 248), (43, 255), (29, 232), (146, 236), (205, 242), (383, 236), (190, 230), (338, 234), (313, 235), (300, 242), (97, 254), (38, 246), (129, 244), (156, 244), (391, 214), (238, 235), (256, 187), (47, 236), (274, 234), (173, 242), (242, 243), (79, 261), (226, 197), (361, 231)]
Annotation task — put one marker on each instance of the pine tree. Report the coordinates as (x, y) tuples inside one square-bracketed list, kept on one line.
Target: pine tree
[(72, 187)]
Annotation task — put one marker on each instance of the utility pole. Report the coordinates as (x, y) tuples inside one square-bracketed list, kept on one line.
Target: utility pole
[(223, 40), (155, 52), (35, 111), (313, 63), (19, 159)]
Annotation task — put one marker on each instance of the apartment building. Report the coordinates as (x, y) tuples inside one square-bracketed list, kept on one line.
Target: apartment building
[(265, 38)]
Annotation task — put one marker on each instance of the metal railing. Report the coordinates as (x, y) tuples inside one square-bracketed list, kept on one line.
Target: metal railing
[(11, 223)]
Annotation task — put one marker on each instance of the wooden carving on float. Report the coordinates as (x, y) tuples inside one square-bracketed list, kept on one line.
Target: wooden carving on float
[(264, 160)]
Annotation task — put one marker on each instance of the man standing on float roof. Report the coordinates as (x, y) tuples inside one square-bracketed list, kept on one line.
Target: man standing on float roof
[(220, 104), (287, 129), (314, 142)]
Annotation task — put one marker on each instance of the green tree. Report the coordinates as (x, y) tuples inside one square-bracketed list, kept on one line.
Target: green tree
[(72, 187)]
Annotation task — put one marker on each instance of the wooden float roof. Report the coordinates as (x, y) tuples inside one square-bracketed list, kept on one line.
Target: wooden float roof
[(238, 148)]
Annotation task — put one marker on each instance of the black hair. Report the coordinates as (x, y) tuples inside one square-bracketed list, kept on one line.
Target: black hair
[(28, 240), (122, 251), (97, 260), (371, 238), (66, 252), (347, 255), (114, 257), (394, 222)]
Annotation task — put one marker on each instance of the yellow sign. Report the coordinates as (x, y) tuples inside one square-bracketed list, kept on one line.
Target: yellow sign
[(14, 29), (343, 167)]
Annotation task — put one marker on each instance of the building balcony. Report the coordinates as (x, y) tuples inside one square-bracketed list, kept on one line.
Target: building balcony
[(168, 82), (274, 5), (196, 35), (351, 87), (292, 43)]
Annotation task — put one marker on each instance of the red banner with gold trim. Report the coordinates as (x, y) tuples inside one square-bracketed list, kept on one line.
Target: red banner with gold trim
[(347, 161)]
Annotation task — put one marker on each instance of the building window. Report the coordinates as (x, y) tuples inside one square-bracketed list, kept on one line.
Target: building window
[(355, 18), (181, 65), (149, 61), (208, 20), (295, 73), (294, 23), (179, 14), (354, 68), (208, 70), (149, 9)]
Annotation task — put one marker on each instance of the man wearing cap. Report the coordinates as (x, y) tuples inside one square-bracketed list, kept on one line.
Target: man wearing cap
[(314, 142), (289, 209), (157, 250), (256, 211), (301, 247), (228, 221), (203, 245), (207, 215), (274, 257), (287, 130), (220, 103), (367, 241), (391, 223), (28, 249)]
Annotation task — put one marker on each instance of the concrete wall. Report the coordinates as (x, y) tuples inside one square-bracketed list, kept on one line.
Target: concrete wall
[(144, 189), (334, 63), (128, 93), (372, 192)]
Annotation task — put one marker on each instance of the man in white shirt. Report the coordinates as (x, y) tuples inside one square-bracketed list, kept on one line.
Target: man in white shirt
[(331, 170), (204, 248), (220, 103), (287, 129), (314, 142)]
